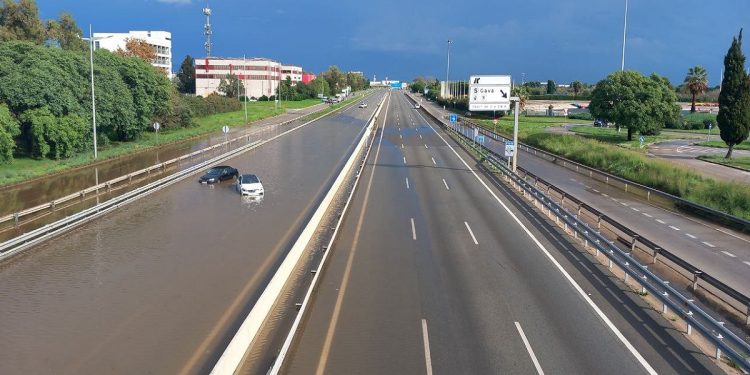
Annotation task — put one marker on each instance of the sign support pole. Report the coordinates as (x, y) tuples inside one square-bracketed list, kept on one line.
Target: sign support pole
[(515, 134)]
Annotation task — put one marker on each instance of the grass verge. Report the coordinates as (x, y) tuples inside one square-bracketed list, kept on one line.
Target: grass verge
[(27, 168), (610, 135), (736, 162), (720, 144), (528, 125)]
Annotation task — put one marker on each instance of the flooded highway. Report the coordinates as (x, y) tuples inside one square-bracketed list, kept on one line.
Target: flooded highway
[(17, 197), (158, 286)]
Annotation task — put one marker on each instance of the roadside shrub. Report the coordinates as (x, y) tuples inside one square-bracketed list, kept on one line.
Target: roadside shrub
[(54, 137), (581, 116), (211, 105), (263, 98)]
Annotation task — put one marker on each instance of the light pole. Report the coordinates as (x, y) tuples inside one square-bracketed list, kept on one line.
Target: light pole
[(244, 68), (93, 94), (624, 34), (448, 68)]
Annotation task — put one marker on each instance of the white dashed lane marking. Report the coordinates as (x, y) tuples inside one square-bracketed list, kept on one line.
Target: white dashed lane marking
[(660, 221), (646, 215), (674, 227), (708, 244), (729, 254), (690, 235)]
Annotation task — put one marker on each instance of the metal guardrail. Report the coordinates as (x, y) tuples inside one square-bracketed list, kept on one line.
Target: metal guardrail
[(53, 205), (629, 186), (36, 236), (726, 341)]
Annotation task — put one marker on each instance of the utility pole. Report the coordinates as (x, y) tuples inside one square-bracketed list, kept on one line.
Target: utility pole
[(624, 34), (93, 94)]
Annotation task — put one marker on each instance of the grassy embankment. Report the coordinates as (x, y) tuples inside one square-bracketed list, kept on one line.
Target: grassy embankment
[(733, 198), (23, 168), (737, 162)]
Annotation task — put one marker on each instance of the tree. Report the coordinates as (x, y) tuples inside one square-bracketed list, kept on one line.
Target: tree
[(231, 86), (551, 87), (20, 21), (186, 76), (638, 103), (336, 79), (319, 86), (522, 92), (9, 130), (286, 90), (734, 98), (70, 34), (696, 83), (418, 85), (58, 137), (577, 86), (138, 48)]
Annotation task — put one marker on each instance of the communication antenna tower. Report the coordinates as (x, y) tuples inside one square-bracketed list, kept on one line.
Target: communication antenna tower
[(207, 29)]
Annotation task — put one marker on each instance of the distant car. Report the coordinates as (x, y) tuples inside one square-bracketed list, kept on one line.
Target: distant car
[(601, 123), (249, 184), (218, 174), (362, 105), (467, 114), (416, 106)]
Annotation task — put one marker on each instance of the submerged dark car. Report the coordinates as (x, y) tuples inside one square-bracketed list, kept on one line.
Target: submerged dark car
[(218, 174)]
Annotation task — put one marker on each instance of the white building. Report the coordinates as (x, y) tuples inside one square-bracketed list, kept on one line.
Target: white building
[(161, 41), (259, 76), (293, 72)]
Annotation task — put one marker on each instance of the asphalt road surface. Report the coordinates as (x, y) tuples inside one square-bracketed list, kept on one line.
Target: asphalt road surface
[(720, 252), (685, 153), (439, 272), (160, 286)]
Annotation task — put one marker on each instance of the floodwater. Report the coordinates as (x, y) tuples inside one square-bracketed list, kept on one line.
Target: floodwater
[(43, 190), (159, 286)]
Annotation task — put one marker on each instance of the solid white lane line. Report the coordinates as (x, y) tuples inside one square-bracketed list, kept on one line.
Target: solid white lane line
[(413, 230), (690, 235), (446, 185), (660, 221), (404, 159), (529, 349), (646, 215), (729, 254), (433, 161), (708, 244), (471, 233), (426, 340), (674, 227), (407, 182), (554, 261)]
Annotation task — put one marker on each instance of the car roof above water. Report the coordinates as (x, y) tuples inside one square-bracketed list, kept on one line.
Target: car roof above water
[(249, 178)]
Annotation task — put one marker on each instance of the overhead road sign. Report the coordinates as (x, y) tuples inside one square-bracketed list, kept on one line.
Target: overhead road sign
[(489, 93)]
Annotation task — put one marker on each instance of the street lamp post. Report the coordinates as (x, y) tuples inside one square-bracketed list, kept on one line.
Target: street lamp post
[(448, 68), (93, 94), (624, 34)]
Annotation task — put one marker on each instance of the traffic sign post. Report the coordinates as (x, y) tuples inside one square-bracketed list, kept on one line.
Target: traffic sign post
[(225, 129), (642, 139), (489, 93), (453, 118), (157, 126), (510, 152), (710, 125)]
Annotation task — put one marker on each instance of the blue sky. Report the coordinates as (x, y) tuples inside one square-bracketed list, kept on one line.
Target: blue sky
[(559, 40)]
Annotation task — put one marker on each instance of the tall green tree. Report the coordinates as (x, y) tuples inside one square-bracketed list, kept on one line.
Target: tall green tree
[(696, 82), (551, 87), (186, 76), (231, 86), (336, 79), (20, 21), (9, 130), (638, 103), (734, 98), (577, 86)]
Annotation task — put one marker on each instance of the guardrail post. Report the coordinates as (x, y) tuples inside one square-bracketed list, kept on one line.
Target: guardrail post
[(648, 195), (718, 349), (579, 209), (696, 277), (689, 326), (656, 255), (52, 205), (747, 316), (15, 219), (664, 304), (633, 242), (599, 222), (626, 187)]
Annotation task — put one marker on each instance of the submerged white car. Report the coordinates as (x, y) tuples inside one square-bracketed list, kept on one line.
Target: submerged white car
[(249, 184)]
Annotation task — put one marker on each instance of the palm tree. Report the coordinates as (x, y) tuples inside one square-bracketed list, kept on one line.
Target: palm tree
[(696, 82), (523, 95), (577, 87)]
